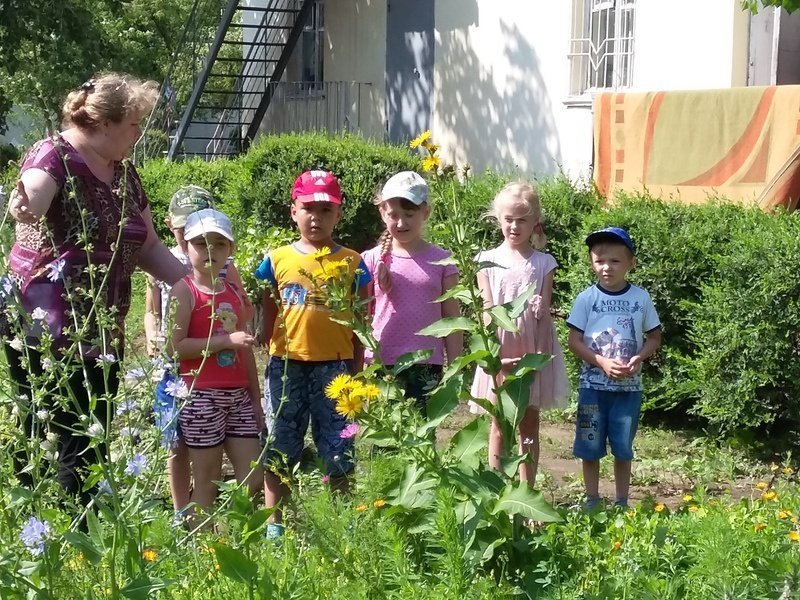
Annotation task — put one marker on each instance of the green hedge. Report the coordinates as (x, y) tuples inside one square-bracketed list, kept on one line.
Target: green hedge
[(255, 189), (723, 277)]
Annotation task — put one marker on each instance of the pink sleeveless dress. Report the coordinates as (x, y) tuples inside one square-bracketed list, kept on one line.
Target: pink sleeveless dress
[(536, 334)]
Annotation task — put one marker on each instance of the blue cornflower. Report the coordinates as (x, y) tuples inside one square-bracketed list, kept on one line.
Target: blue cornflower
[(6, 286), (177, 388), (103, 487), (134, 375), (126, 406), (105, 358), (56, 268), (34, 534), (136, 465)]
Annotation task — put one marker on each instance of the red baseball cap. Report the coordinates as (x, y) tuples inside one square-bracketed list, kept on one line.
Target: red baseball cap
[(317, 186)]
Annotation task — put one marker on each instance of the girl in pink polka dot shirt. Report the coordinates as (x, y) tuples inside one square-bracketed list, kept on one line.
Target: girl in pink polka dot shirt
[(407, 282)]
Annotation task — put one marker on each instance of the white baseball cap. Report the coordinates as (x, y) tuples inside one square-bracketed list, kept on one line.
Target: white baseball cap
[(205, 221), (408, 185)]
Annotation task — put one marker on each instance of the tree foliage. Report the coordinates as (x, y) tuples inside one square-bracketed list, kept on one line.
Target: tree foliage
[(48, 47), (754, 5)]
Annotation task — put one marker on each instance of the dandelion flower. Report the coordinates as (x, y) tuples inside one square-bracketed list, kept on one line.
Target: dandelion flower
[(688, 498), (430, 147), (773, 467), (370, 391), (421, 139), (34, 535), (617, 544), (379, 503), (784, 514), (659, 508), (149, 554), (321, 253), (759, 527), (430, 163), (350, 431), (770, 495), (787, 470), (694, 508), (361, 507), (762, 485), (338, 386), (349, 406), (794, 536)]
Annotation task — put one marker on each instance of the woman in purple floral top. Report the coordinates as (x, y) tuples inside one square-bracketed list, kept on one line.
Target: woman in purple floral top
[(83, 226)]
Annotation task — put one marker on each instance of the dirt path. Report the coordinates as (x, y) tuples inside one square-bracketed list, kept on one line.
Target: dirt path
[(664, 480)]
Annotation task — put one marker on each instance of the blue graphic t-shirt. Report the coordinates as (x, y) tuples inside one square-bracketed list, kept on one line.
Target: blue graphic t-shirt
[(613, 325)]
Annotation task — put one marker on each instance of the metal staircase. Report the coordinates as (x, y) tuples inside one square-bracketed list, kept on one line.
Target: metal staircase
[(232, 91)]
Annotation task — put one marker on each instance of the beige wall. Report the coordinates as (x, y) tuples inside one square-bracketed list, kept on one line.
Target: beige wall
[(356, 51)]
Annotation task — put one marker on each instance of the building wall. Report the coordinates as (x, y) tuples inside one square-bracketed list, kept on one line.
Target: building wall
[(356, 51), (502, 74)]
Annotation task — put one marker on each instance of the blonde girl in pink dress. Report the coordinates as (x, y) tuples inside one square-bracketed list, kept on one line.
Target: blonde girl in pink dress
[(521, 264)]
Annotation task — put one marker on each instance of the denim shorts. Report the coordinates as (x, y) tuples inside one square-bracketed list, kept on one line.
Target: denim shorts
[(166, 413), (305, 401), (605, 415)]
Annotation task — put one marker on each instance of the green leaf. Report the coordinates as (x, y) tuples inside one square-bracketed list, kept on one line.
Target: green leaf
[(501, 318), (459, 292), (510, 464), (446, 326), (466, 479), (515, 396), (143, 587), (81, 542), (442, 401), (520, 303), (415, 489), (519, 499), (234, 564), (253, 527), (471, 439), (409, 359), (95, 529), (531, 362)]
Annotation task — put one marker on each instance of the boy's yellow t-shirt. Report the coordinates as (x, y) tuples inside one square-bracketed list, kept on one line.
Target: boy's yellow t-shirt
[(306, 320)]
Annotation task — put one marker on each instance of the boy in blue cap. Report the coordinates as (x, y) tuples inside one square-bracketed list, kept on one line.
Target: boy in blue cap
[(613, 328)]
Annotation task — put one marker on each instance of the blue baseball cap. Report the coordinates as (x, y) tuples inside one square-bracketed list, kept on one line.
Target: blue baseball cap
[(610, 234)]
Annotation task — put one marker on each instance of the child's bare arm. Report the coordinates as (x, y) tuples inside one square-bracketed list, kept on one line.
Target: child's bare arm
[(486, 294), (152, 315), (611, 367), (651, 344), (453, 343)]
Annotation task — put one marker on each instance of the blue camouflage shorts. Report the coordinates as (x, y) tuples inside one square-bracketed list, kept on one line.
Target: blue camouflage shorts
[(305, 401)]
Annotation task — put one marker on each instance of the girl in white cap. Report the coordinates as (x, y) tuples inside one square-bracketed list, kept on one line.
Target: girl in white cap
[(408, 282)]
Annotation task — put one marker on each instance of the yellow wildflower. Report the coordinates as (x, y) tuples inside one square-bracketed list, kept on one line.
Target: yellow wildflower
[(617, 544), (420, 139), (430, 163), (794, 536), (784, 514), (762, 485), (379, 503), (694, 508), (370, 391), (773, 467), (321, 253), (149, 554), (630, 514), (787, 470), (349, 405), (338, 386), (770, 495), (361, 507), (430, 147), (659, 508), (688, 498), (760, 527)]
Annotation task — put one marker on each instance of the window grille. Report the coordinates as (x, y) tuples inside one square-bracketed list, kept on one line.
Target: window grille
[(601, 48)]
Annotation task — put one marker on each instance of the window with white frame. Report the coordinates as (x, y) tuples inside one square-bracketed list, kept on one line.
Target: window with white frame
[(306, 65), (601, 48)]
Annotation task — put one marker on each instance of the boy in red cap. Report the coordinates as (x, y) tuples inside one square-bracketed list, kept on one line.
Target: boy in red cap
[(306, 344)]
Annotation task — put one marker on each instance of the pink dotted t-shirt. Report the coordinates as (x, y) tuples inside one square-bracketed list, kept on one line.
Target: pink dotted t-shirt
[(409, 306)]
